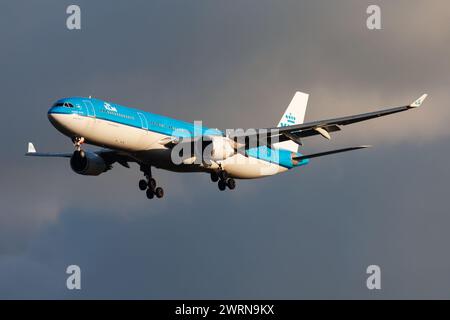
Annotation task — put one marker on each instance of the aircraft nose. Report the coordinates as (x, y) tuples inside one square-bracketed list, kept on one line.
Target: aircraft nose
[(60, 116), (51, 115)]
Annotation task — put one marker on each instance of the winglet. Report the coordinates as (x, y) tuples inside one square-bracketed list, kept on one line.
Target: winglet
[(31, 148), (418, 102)]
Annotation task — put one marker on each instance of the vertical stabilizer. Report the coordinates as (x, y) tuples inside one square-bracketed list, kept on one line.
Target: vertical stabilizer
[(294, 114)]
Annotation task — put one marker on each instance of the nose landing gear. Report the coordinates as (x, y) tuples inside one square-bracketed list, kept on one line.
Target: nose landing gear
[(77, 142), (149, 184)]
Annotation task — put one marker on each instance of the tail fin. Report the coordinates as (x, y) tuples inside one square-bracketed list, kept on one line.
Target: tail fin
[(294, 114)]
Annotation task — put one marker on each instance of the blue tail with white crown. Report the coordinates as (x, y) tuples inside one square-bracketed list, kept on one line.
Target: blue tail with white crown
[(294, 114)]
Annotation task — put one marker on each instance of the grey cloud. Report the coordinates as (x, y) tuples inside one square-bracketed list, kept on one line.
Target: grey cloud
[(309, 233)]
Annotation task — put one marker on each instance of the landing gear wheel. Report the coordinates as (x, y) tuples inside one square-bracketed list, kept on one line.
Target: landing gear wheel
[(214, 177), (231, 183), (223, 175), (149, 194), (142, 184), (151, 183), (159, 192), (222, 185)]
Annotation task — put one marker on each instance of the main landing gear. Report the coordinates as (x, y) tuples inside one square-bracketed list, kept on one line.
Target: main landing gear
[(222, 179), (149, 184)]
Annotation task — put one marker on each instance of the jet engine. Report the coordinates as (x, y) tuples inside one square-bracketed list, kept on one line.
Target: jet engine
[(87, 163)]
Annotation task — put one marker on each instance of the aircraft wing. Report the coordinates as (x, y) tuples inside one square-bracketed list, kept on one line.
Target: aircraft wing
[(110, 156), (33, 153), (324, 127)]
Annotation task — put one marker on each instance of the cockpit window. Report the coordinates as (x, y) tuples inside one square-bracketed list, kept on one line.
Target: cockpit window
[(63, 104)]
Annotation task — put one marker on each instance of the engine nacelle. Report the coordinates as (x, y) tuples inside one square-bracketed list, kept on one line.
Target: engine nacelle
[(221, 148), (87, 163)]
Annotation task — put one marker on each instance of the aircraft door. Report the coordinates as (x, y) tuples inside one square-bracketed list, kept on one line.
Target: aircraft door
[(144, 123), (90, 111)]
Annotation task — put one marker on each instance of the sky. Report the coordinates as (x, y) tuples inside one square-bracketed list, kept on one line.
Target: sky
[(306, 234)]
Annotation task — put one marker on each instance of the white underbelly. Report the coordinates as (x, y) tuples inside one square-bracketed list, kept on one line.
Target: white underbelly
[(241, 167), (107, 133)]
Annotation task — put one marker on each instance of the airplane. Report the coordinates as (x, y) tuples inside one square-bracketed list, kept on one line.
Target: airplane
[(129, 135)]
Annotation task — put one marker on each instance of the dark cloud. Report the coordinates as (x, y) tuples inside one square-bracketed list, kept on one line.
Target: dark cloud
[(309, 233)]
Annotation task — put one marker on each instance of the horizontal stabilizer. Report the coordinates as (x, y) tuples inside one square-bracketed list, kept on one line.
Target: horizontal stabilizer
[(320, 154)]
